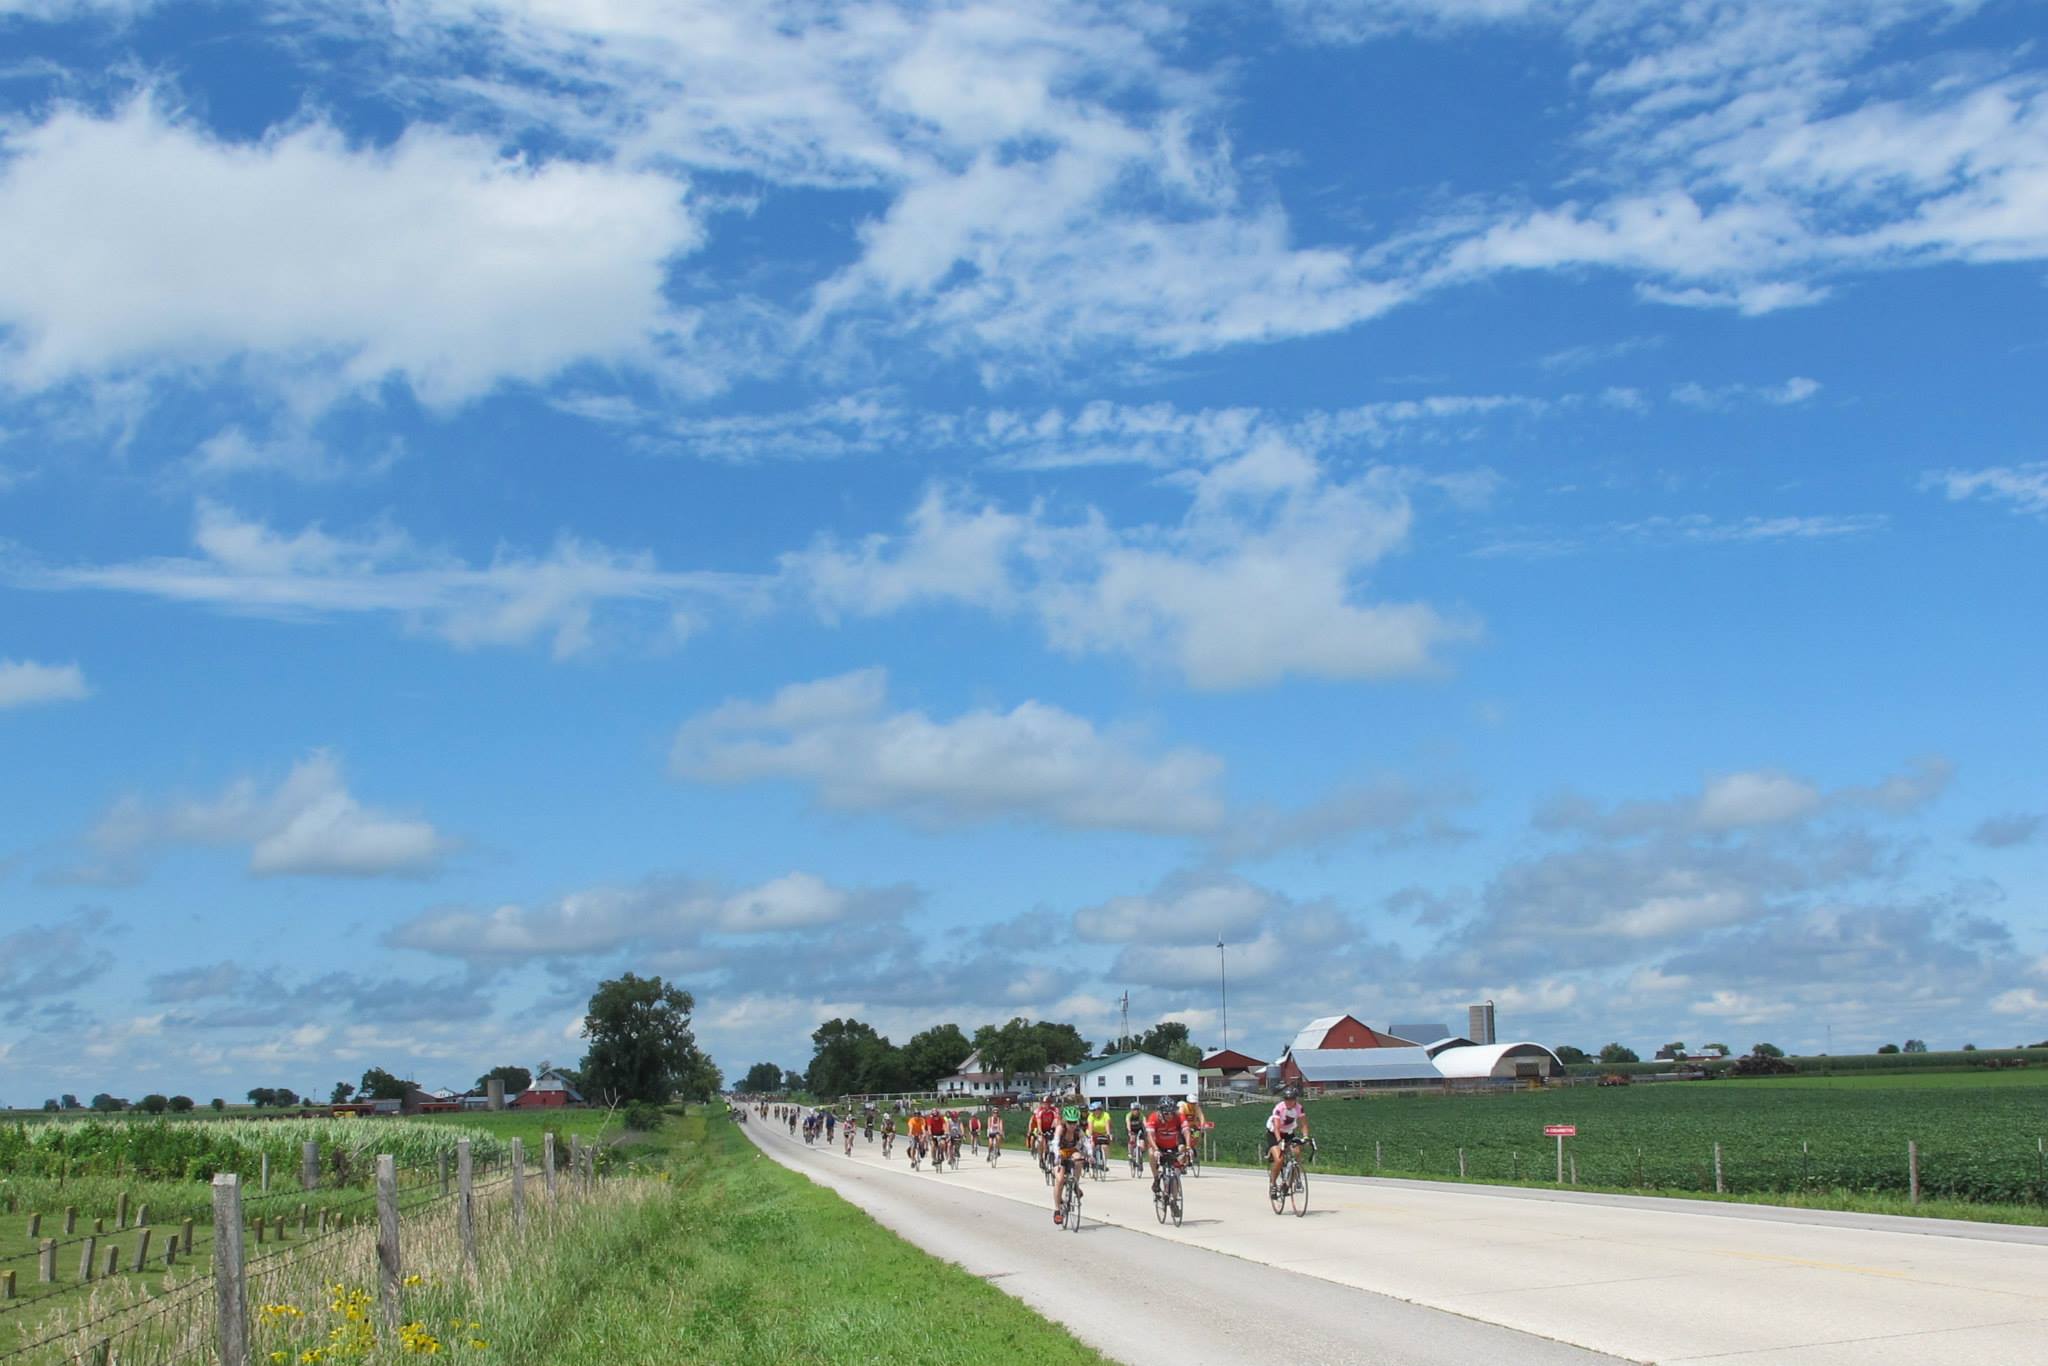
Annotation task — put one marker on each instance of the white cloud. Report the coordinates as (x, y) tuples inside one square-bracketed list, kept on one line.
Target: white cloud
[(247, 567), (1763, 797), (1034, 762), (25, 683), (1184, 910), (2022, 488), (438, 260), (308, 825), (1261, 579), (1793, 391)]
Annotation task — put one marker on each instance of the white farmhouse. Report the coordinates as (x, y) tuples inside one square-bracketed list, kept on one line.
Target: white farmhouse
[(1123, 1077)]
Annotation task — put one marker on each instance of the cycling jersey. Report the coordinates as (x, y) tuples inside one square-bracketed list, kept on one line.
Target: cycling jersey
[(1098, 1124), (1166, 1128), (916, 1127), (936, 1126), (1047, 1117), (1285, 1119)]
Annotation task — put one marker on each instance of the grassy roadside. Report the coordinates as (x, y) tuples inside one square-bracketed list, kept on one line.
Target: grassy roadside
[(742, 1260)]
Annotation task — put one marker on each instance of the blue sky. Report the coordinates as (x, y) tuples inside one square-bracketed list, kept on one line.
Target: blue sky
[(941, 511)]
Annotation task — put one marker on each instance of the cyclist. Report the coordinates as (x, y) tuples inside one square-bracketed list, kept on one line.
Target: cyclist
[(888, 1133), (1288, 1124), (846, 1134), (1197, 1122), (916, 1125), (995, 1134), (974, 1130), (1065, 1140), (1134, 1129), (935, 1129), (831, 1121), (1048, 1120), (1099, 1135), (1167, 1134)]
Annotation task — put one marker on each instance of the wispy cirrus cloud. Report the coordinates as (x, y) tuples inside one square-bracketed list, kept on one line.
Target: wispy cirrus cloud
[(26, 683), (2023, 489)]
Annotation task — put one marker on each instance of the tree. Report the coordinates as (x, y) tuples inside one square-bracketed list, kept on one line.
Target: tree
[(154, 1104), (106, 1104), (377, 1084), (932, 1054), (340, 1094), (284, 1096), (1064, 1044), (1672, 1050), (792, 1082), (1168, 1039), (50, 1105), (1888, 1048), (218, 1104), (1969, 1048), (181, 1105), (1714, 1047), (1011, 1048), (641, 1045), (1568, 1054), (1916, 1045), (1616, 1052), (849, 1055), (516, 1079), (1766, 1050), (70, 1101), (762, 1078)]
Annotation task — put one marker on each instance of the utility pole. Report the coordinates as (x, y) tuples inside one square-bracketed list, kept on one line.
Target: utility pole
[(1124, 1043), (1223, 984)]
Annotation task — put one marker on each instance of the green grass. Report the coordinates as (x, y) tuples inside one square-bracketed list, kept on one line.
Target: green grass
[(745, 1261), (1795, 1141), (1882, 1081)]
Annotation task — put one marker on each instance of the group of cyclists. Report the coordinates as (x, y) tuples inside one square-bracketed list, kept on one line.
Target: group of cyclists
[(1067, 1136)]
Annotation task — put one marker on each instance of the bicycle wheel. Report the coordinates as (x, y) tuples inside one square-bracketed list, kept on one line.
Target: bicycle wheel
[(1277, 1192), (1073, 1202), (1297, 1194), (1176, 1204)]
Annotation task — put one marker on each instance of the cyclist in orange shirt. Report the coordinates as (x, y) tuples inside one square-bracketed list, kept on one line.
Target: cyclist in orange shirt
[(916, 1139)]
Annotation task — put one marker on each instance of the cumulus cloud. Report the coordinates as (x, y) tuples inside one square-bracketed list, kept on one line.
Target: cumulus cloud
[(1261, 578), (438, 260), (307, 825), (1034, 762), (1745, 799), (25, 683)]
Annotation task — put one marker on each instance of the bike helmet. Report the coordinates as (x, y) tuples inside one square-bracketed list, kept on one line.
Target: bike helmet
[(1135, 1105), (1291, 1093)]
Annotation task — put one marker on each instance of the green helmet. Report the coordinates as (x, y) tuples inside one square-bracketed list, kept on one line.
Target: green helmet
[(1070, 1113)]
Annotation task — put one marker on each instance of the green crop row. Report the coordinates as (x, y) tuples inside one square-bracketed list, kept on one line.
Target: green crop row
[(1975, 1143), (175, 1150)]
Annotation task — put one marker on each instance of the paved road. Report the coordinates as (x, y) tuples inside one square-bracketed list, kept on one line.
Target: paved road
[(1140, 1298), (1641, 1281)]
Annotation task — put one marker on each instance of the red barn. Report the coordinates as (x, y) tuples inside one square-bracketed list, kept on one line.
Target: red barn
[(548, 1090), (1343, 1031)]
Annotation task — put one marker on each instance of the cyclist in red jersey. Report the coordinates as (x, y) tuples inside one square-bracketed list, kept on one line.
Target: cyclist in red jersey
[(1167, 1135)]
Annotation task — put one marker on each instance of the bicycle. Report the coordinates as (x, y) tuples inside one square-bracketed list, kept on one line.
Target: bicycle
[(1098, 1159), (1045, 1161), (1167, 1199), (1292, 1189), (1134, 1147), (1070, 1201), (953, 1155), (1195, 1152)]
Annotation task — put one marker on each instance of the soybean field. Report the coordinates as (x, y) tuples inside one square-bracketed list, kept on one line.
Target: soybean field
[(1984, 1143)]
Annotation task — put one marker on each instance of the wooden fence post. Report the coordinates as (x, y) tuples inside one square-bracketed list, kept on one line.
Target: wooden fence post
[(442, 1161), (547, 1164), (1720, 1186), (465, 1203), (185, 1237), (70, 1220), (231, 1301), (113, 1263), (142, 1216), (121, 1210), (1461, 1164), (46, 1261), (6, 1285), (1376, 1156), (35, 1226), (86, 1263), (1913, 1167), (309, 1167), (519, 1184), (388, 1275), (142, 1249)]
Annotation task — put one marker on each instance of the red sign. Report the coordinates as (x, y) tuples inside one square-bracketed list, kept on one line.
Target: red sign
[(1560, 1131)]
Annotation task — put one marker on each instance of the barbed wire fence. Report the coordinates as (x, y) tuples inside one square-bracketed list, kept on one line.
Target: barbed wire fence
[(332, 1267)]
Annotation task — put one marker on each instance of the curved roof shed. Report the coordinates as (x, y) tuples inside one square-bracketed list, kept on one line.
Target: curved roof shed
[(1509, 1060)]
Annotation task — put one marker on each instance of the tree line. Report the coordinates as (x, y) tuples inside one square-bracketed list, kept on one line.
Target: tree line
[(852, 1056)]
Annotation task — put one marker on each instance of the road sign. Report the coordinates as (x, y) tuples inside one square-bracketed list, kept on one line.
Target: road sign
[(1560, 1131)]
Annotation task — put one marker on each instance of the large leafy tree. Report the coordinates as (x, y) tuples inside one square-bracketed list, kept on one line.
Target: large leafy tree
[(762, 1078), (1568, 1054), (934, 1054), (851, 1056), (1169, 1039), (1617, 1052), (378, 1084), (641, 1044), (516, 1078), (1025, 1046)]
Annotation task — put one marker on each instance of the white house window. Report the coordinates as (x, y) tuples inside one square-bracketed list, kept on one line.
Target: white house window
[(1155, 1078), (1101, 1081), (1130, 1080), (1183, 1079)]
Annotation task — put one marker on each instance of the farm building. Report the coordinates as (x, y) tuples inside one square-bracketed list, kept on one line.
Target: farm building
[(1504, 1061), (549, 1090), (1317, 1069), (973, 1078), (1343, 1031), (1231, 1068), (1419, 1033), (1124, 1077)]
